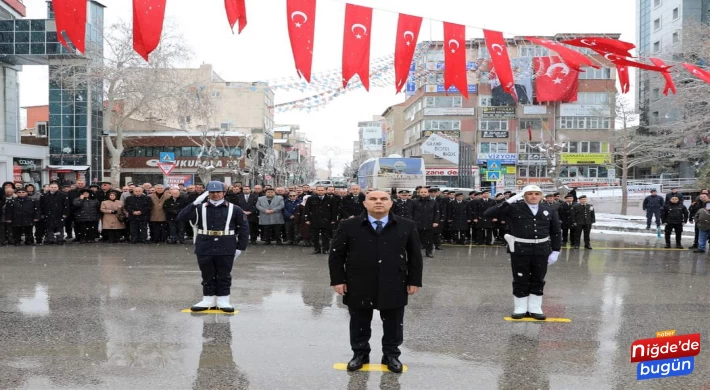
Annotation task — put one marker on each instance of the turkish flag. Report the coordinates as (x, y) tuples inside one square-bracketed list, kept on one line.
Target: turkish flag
[(407, 34), (455, 58), (603, 45), (555, 81), (148, 16), (573, 58), (301, 28), (236, 11), (621, 61), (623, 72), (70, 17), (501, 61), (697, 72), (356, 44), (670, 86)]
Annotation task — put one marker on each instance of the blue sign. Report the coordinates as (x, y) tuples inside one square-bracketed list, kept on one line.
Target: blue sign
[(494, 165), (469, 65), (472, 88), (167, 157), (493, 175), (665, 368), (413, 66)]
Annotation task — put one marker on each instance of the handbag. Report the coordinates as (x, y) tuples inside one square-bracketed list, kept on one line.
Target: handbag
[(121, 217)]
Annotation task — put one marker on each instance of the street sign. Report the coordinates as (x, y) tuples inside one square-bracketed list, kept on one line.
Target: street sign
[(167, 157), (494, 165), (166, 168), (493, 175)]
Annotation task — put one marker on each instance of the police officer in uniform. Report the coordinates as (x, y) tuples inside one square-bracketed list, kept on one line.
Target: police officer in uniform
[(222, 235), (582, 217), (533, 244), (403, 205)]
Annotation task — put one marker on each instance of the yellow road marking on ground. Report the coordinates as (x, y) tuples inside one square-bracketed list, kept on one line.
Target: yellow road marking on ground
[(208, 311), (528, 319), (582, 250), (367, 367)]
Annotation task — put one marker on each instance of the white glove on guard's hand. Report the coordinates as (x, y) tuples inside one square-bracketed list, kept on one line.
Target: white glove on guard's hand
[(515, 199), (238, 252), (201, 198), (552, 258)]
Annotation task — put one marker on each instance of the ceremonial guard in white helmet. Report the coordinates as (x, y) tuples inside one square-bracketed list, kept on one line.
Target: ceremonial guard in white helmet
[(221, 234), (533, 244)]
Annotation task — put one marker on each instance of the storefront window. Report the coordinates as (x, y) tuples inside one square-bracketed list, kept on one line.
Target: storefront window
[(27, 171)]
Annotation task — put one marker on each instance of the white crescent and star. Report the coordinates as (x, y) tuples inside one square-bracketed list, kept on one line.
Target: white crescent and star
[(499, 50), (301, 14), (408, 34), (452, 41), (586, 42), (550, 70), (360, 26)]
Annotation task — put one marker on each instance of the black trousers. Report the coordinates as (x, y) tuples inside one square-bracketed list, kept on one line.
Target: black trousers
[(55, 232), (361, 330), (291, 232), (158, 231), (485, 236), (40, 229), (436, 236), (528, 274), (69, 226), (216, 274), (324, 234), (5, 233), (653, 213), (113, 235), (578, 235), (139, 230), (19, 231), (177, 231), (565, 231), (426, 237), (253, 231), (670, 227), (271, 233), (459, 236)]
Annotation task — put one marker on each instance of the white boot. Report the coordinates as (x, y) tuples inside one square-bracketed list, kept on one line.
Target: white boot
[(224, 305), (535, 307), (521, 307), (207, 303)]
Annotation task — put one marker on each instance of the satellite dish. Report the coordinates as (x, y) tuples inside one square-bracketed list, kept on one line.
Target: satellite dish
[(394, 156)]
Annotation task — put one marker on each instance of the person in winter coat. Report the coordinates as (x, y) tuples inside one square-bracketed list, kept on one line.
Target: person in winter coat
[(292, 231), (299, 218), (55, 209), (247, 202), (698, 204), (158, 223), (172, 207), (582, 217), (21, 213), (113, 218), (138, 208), (352, 204), (403, 205), (425, 212), (674, 192), (271, 216), (86, 216), (702, 221), (485, 224), (8, 194), (674, 215), (564, 212), (35, 195), (458, 219), (321, 215), (653, 204)]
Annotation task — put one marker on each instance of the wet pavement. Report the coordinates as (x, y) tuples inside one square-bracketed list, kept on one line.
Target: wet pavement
[(108, 316)]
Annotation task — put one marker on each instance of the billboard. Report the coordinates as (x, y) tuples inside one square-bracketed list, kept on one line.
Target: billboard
[(400, 172), (585, 158), (372, 138)]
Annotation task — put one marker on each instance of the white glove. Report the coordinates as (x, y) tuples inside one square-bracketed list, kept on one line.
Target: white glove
[(201, 198), (552, 258), (515, 199), (238, 252)]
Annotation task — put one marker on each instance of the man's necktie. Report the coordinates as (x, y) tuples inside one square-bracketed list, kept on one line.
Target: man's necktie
[(379, 227)]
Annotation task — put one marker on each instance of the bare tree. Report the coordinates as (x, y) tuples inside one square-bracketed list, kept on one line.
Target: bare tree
[(551, 151)]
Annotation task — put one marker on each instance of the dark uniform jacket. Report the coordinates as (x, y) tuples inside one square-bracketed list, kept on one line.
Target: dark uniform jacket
[(173, 207), (564, 212), (376, 268), (321, 213), (443, 203), (425, 212), (86, 210), (403, 208), (653, 203), (249, 204), (479, 212), (523, 224), (54, 208), (674, 213), (225, 245), (21, 211), (351, 205), (582, 214), (138, 203), (458, 215)]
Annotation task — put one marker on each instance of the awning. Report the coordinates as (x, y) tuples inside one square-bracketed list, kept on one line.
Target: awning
[(68, 167)]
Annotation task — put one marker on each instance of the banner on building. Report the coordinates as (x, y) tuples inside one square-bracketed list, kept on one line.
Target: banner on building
[(174, 180), (441, 147), (494, 134), (498, 112), (448, 133), (585, 158)]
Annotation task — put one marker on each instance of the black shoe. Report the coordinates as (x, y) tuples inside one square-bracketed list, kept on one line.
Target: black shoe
[(316, 252), (564, 243), (429, 254), (678, 246), (439, 248), (698, 251), (538, 317), (518, 316), (575, 247), (325, 251), (693, 247), (667, 246), (393, 364), (357, 361), (587, 247), (648, 227)]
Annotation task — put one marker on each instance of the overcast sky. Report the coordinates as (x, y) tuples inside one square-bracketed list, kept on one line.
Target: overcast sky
[(262, 51)]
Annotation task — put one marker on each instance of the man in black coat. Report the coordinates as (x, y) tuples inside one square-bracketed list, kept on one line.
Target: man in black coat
[(138, 207), (247, 202), (564, 213), (22, 212), (403, 205), (379, 275), (54, 206), (582, 218), (321, 215), (425, 212), (674, 215), (458, 221), (533, 244), (693, 210), (352, 204), (485, 224), (443, 204)]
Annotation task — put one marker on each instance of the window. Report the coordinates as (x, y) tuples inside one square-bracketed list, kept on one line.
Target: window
[(493, 147), (676, 37), (533, 51), (595, 147), (593, 98), (493, 124), (533, 171), (655, 117), (603, 73), (534, 124), (484, 100), (581, 122), (448, 101), (676, 13), (41, 129), (442, 125), (656, 93), (215, 94), (657, 24), (657, 47), (225, 126), (483, 51), (656, 3)]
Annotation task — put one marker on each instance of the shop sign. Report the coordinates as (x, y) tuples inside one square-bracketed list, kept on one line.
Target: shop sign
[(447, 171), (507, 112), (174, 180), (585, 158), (494, 134), (448, 133), (535, 110), (449, 111), (182, 163), (505, 158)]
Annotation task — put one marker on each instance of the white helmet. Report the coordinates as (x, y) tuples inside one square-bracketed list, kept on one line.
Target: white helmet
[(531, 188)]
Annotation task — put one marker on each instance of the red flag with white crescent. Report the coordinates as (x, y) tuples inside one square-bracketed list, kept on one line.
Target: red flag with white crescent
[(301, 29), (530, 131), (670, 85), (70, 17), (407, 34), (622, 61), (555, 81), (236, 11), (697, 72), (501, 61), (356, 44), (148, 16), (455, 58), (574, 59), (623, 73), (603, 45)]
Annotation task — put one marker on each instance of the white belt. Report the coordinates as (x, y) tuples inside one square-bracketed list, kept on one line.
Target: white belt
[(216, 232), (512, 240)]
